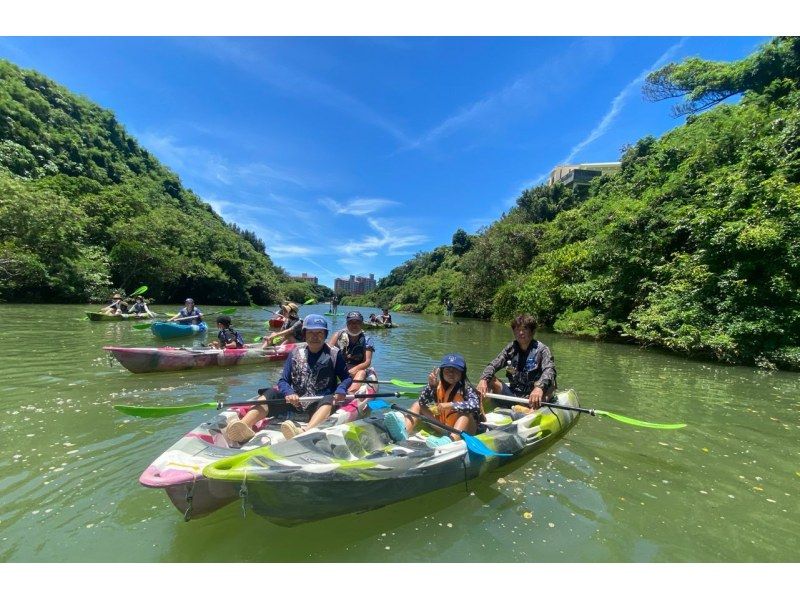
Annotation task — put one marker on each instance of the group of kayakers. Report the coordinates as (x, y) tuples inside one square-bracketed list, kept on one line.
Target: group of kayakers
[(331, 371), (327, 371), (119, 306)]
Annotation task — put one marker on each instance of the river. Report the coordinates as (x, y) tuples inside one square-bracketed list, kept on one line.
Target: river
[(725, 488)]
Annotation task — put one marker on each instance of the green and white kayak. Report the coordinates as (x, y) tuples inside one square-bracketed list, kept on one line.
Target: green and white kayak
[(374, 326), (355, 466), (98, 317)]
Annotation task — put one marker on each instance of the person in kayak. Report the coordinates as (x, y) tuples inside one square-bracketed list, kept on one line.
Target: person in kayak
[(310, 370), (357, 347), (456, 402), (228, 338), (194, 315), (117, 306), (291, 330), (529, 367), (140, 308), (385, 318)]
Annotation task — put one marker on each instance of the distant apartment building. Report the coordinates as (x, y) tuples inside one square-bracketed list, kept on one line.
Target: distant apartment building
[(305, 278), (578, 176), (355, 285)]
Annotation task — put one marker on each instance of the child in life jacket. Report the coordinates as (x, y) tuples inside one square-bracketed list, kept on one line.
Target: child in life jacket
[(456, 403)]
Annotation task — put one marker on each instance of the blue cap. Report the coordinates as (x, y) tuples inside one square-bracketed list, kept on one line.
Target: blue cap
[(355, 315), (315, 322), (454, 360)]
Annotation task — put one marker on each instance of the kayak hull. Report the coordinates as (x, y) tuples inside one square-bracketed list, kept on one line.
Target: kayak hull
[(142, 360), (167, 330), (355, 467), (98, 317), (371, 326), (178, 471)]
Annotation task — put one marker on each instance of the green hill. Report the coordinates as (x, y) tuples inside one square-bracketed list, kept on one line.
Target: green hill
[(84, 209), (694, 246)]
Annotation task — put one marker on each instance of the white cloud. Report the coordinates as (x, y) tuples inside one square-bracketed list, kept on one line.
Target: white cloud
[(358, 206), (617, 103), (391, 239)]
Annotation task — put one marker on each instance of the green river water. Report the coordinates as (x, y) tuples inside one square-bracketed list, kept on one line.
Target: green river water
[(724, 489)]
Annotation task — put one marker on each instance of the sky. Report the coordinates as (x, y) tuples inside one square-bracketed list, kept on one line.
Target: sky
[(348, 155)]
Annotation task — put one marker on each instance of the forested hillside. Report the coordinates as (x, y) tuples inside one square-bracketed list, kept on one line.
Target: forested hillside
[(694, 246), (84, 209)]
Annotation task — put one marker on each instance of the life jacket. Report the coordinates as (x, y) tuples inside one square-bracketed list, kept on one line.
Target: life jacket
[(139, 308), (185, 314), (317, 380), (225, 336), (354, 353), (521, 377), (454, 395)]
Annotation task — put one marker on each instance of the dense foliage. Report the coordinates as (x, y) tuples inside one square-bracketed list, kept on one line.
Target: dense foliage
[(84, 209), (694, 246)]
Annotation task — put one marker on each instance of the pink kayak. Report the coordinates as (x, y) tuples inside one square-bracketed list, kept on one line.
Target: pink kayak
[(141, 360)]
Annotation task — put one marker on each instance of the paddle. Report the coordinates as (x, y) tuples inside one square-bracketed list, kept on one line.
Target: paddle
[(227, 311), (140, 411), (620, 418), (473, 444), (310, 302), (141, 290)]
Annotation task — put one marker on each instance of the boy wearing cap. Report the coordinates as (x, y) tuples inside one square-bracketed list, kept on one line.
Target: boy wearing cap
[(292, 329), (457, 403), (311, 370), (228, 338), (190, 312), (357, 348)]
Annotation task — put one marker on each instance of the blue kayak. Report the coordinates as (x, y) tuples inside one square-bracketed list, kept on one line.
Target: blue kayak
[(166, 330)]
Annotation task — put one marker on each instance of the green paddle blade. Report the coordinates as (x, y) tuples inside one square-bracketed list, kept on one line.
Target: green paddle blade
[(310, 301), (139, 291), (637, 422), (142, 326), (257, 339), (397, 307), (404, 384), (162, 411)]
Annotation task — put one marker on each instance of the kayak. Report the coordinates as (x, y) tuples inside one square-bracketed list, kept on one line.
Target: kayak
[(331, 314), (355, 466), (178, 470), (98, 317), (165, 330), (140, 360), (372, 326), (276, 322)]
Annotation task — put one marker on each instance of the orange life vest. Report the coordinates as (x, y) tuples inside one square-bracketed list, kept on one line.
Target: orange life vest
[(442, 397)]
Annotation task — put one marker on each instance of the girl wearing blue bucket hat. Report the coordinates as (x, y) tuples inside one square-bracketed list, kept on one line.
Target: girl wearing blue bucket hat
[(456, 403)]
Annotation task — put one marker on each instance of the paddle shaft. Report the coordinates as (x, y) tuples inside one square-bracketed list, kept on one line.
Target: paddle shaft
[(543, 403), (305, 400)]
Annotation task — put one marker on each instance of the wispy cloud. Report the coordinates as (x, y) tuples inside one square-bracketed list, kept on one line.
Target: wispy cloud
[(202, 164), (391, 239), (619, 101), (525, 91), (287, 80), (358, 206)]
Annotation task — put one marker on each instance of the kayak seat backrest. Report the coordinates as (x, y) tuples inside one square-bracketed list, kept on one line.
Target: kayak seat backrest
[(356, 440)]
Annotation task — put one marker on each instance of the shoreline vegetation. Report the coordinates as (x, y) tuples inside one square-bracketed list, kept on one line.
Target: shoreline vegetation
[(692, 247)]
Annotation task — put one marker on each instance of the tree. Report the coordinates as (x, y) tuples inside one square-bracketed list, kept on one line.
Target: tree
[(462, 242)]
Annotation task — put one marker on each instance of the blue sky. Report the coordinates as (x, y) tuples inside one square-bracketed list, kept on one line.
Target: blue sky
[(349, 155)]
